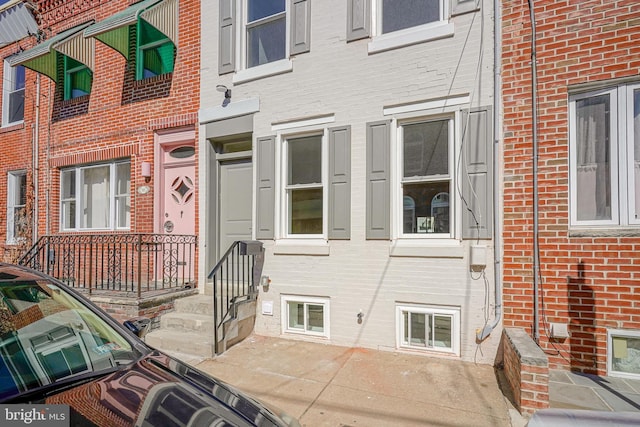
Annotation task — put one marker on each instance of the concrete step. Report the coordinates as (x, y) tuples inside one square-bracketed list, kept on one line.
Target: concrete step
[(197, 304), (189, 322), (192, 343)]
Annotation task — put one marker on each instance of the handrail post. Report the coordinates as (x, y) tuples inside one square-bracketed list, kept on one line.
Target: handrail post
[(91, 275), (139, 265)]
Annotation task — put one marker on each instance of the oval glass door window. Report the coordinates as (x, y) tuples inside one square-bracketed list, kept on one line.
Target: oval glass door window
[(183, 152)]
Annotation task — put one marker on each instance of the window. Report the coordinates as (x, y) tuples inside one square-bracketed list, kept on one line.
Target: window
[(400, 14), (605, 157), (426, 178), (77, 78), (398, 23), (96, 197), (266, 31), (623, 353), (16, 206), (304, 190), (12, 94), (155, 52), (271, 32), (429, 328), (305, 315)]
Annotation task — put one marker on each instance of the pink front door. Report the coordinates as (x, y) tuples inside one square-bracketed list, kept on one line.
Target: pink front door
[(178, 199), (177, 213)]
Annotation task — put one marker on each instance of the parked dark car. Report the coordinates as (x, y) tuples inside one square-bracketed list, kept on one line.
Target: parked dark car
[(59, 348)]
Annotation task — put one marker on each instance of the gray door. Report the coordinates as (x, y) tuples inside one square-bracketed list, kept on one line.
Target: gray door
[(236, 178)]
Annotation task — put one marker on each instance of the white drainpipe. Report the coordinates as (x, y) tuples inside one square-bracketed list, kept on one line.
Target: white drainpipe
[(497, 223)]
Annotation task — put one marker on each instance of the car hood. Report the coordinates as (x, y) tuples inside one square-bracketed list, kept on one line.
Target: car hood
[(159, 391)]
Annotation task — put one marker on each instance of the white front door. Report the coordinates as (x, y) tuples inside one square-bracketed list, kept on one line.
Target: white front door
[(235, 201)]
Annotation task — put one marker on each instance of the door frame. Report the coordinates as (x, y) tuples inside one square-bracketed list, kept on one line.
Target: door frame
[(164, 140)]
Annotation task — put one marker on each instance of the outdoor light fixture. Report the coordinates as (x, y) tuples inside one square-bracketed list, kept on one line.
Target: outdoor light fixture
[(225, 90), (145, 170)]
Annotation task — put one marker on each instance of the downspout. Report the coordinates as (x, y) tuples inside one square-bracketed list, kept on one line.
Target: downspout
[(48, 170), (497, 223), (36, 163), (534, 119)]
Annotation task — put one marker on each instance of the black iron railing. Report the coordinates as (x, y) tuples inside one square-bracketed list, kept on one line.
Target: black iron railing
[(235, 280), (116, 262)]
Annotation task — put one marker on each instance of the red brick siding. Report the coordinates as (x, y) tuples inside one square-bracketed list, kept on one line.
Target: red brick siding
[(590, 283), (528, 383), (119, 117), (15, 149)]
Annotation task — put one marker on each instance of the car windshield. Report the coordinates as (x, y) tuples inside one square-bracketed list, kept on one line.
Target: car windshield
[(48, 335)]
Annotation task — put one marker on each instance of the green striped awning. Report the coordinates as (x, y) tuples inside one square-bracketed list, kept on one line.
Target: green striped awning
[(114, 31), (42, 58)]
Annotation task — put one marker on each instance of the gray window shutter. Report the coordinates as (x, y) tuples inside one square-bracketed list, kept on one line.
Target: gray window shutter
[(358, 19), (477, 175), (227, 37), (340, 183), (378, 181), (300, 26), (266, 196)]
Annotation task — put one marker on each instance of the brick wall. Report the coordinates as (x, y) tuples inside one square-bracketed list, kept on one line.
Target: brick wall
[(122, 308), (120, 115), (15, 150), (589, 280), (526, 370)]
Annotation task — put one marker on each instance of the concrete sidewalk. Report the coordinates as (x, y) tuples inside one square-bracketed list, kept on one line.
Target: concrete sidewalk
[(325, 385), (571, 390)]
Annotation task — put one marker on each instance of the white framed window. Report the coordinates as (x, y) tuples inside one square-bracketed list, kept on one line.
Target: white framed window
[(155, 52), (304, 192), (259, 37), (16, 205), (399, 23), (77, 78), (428, 328), (623, 353), (425, 187), (265, 31), (395, 15), (604, 144), (305, 315), (13, 83), (96, 197)]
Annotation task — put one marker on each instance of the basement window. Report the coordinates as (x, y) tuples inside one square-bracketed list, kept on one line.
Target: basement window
[(305, 315), (623, 353), (428, 328)]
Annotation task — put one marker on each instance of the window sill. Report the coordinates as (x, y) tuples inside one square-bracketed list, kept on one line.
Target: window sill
[(428, 351), (261, 71), (76, 100), (439, 248), (608, 231), (301, 247), (12, 126), (410, 36)]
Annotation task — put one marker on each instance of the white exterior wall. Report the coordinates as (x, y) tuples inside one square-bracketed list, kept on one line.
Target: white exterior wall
[(343, 79)]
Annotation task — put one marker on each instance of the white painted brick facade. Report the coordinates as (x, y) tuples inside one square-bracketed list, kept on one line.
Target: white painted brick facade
[(341, 78)]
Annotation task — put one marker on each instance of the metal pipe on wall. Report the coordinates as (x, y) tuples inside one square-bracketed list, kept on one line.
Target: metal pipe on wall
[(534, 120), (497, 219), (36, 163)]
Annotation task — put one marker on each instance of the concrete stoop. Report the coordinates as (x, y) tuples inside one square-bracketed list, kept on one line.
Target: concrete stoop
[(188, 330)]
